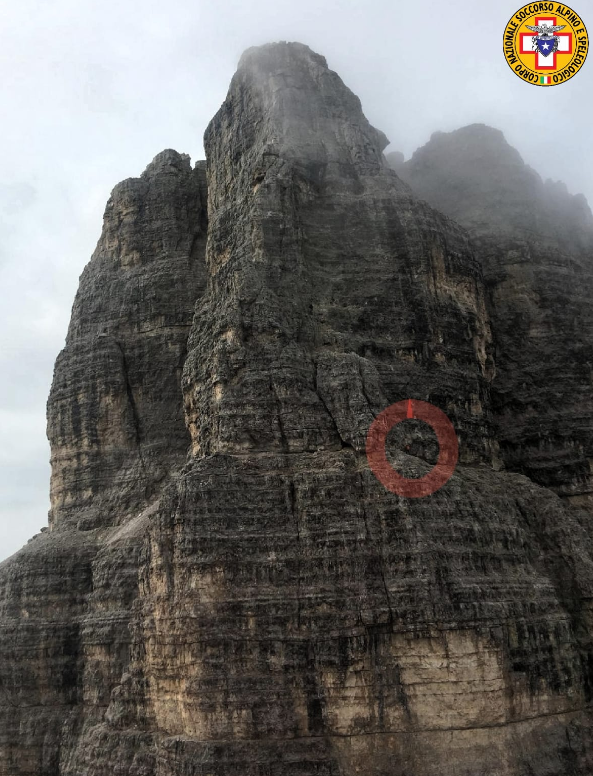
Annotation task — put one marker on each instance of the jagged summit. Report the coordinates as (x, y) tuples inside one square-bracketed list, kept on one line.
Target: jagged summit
[(290, 55), (226, 588), (115, 420), (168, 160), (474, 175), (291, 261), (306, 109), (478, 133)]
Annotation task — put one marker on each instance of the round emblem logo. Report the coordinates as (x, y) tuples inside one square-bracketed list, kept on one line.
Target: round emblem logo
[(545, 44), (448, 448)]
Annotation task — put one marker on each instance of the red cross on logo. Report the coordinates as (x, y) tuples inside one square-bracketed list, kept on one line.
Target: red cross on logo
[(542, 62)]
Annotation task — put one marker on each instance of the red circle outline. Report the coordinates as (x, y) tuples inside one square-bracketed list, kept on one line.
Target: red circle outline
[(448, 448)]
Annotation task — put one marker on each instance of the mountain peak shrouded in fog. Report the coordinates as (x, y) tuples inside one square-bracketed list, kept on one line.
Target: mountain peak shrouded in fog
[(226, 587), (306, 107), (100, 89), (473, 173)]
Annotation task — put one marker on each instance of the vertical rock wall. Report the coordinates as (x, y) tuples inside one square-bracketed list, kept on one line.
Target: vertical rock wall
[(535, 243), (116, 428), (326, 278), (115, 422), (265, 606)]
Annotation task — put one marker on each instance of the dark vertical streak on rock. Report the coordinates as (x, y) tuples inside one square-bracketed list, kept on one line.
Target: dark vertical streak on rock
[(299, 549), (135, 417)]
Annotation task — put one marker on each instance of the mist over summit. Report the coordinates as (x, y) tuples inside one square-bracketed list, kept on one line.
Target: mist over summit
[(225, 587)]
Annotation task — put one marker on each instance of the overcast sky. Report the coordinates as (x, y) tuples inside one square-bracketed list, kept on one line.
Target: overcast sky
[(90, 92)]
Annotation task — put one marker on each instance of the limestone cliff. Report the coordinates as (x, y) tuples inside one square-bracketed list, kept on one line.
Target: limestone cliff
[(535, 244), (263, 605), (115, 421)]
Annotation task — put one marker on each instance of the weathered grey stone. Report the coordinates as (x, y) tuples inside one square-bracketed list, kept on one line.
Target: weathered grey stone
[(115, 422), (267, 606), (318, 253), (535, 242), (116, 428)]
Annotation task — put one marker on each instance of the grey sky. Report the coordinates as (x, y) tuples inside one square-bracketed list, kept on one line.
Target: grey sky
[(91, 92)]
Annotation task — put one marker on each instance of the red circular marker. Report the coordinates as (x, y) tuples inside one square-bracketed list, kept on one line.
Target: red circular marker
[(448, 448)]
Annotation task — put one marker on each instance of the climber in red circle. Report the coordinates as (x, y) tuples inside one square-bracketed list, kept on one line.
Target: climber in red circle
[(448, 448)]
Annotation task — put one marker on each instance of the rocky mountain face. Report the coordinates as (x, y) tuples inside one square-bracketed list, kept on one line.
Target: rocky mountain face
[(535, 243), (115, 421), (225, 587)]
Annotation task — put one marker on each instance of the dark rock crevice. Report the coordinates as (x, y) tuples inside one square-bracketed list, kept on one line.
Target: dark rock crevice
[(135, 417)]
